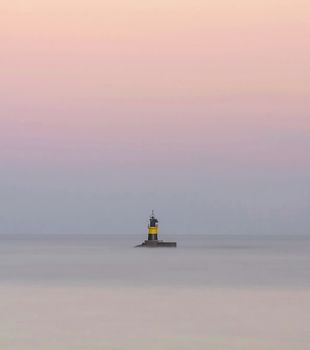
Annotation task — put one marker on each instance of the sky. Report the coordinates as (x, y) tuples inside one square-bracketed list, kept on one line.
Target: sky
[(198, 110)]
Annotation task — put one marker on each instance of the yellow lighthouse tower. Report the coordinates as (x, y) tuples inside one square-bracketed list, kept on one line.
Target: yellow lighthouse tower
[(153, 228), (152, 240)]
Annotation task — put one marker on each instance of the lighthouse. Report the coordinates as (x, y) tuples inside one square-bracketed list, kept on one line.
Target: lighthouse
[(153, 228), (152, 239)]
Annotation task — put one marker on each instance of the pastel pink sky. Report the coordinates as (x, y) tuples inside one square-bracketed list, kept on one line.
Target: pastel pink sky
[(189, 86)]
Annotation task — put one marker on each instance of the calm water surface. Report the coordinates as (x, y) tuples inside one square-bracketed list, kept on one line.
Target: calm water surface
[(215, 261)]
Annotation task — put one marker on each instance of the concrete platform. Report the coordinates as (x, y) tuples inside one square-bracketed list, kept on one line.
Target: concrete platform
[(157, 244)]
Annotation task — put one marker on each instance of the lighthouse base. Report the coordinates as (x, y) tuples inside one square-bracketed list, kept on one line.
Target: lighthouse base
[(157, 244)]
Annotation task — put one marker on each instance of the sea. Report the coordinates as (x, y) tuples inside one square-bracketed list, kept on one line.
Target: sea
[(212, 292)]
